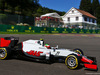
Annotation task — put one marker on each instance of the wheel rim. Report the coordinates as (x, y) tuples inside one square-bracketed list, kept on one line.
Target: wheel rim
[(77, 51), (71, 61), (2, 53)]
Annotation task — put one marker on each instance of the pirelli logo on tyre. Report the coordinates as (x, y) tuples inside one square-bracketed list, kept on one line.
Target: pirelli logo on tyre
[(3, 53), (71, 63)]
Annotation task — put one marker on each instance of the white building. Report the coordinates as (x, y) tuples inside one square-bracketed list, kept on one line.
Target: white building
[(55, 15), (79, 18), (49, 20)]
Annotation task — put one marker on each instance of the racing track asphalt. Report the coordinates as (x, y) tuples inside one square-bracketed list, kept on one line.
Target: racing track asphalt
[(90, 46)]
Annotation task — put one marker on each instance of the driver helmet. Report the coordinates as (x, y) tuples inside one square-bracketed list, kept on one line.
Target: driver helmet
[(47, 46), (41, 41)]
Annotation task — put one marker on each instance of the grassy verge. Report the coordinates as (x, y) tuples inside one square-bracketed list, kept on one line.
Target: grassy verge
[(21, 33)]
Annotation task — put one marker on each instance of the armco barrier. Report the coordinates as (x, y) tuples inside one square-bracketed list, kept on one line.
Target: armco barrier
[(32, 29)]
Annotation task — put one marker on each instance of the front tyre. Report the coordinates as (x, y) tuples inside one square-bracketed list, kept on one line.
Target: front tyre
[(79, 51), (72, 61), (4, 53)]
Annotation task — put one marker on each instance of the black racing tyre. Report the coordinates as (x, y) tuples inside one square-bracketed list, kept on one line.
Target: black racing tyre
[(50, 60), (79, 51), (5, 53), (72, 61)]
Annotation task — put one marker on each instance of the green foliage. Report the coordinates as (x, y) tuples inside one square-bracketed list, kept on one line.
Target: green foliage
[(40, 10), (25, 7), (98, 15), (95, 5), (85, 5), (2, 5), (2, 16)]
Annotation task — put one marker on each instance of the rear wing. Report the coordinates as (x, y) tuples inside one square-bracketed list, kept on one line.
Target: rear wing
[(4, 43), (8, 41)]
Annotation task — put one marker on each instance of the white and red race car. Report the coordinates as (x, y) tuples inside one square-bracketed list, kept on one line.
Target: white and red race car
[(36, 49)]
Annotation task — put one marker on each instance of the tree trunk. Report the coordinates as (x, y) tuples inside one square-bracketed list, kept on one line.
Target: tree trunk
[(3, 6), (13, 10)]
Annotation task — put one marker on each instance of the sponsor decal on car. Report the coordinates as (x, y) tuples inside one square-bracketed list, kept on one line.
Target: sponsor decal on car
[(34, 53)]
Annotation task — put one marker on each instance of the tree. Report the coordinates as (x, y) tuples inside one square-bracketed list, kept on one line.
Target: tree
[(98, 14), (2, 5), (95, 5), (12, 4), (36, 1), (40, 10), (26, 7), (82, 4), (85, 5)]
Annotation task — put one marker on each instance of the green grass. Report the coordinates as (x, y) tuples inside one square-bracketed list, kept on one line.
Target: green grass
[(21, 33)]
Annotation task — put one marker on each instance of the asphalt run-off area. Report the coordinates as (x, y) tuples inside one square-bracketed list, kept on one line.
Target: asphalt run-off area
[(90, 44)]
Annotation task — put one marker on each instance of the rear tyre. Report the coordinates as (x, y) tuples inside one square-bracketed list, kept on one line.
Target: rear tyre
[(5, 53), (79, 51), (72, 61)]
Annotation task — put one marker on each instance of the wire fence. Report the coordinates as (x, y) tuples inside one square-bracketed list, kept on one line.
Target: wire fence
[(16, 20)]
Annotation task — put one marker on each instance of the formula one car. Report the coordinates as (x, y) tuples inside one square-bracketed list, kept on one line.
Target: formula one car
[(36, 49)]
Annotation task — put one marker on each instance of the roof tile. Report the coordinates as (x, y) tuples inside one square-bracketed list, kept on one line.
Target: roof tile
[(86, 13)]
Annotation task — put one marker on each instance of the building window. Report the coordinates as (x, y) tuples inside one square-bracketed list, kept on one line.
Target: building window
[(56, 19), (77, 18), (93, 21), (68, 18), (89, 19), (72, 11), (85, 18)]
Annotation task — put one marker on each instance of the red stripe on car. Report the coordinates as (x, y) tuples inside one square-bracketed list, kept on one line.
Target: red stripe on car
[(84, 59), (91, 66)]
